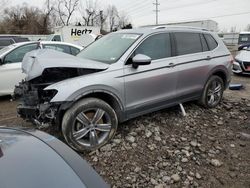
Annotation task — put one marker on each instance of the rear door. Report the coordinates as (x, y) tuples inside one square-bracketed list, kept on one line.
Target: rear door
[(192, 60), (149, 87)]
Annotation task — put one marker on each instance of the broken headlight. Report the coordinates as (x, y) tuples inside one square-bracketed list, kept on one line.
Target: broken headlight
[(47, 95)]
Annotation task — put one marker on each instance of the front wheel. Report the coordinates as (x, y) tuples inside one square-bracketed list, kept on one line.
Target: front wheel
[(89, 124), (213, 92)]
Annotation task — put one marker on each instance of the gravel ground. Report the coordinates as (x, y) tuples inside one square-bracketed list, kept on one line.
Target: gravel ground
[(207, 148)]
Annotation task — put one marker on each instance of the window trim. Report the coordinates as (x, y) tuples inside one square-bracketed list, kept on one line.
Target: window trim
[(214, 40), (202, 35), (145, 38)]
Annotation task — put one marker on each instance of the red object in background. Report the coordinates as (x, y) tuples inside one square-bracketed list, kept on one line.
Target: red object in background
[(248, 68)]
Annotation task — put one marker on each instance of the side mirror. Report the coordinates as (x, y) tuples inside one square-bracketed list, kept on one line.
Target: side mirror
[(140, 59)]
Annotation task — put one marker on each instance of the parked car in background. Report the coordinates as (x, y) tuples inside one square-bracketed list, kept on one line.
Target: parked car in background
[(8, 40), (241, 64), (31, 158), (121, 76), (244, 37), (12, 56)]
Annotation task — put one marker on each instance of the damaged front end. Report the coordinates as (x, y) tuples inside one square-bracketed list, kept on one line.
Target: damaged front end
[(34, 103), (44, 68)]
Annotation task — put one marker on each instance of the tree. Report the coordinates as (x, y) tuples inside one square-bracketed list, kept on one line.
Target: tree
[(123, 20), (65, 10), (89, 12), (3, 4), (113, 17), (248, 27), (233, 29), (23, 20)]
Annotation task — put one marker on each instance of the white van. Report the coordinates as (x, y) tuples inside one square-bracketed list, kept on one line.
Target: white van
[(79, 35)]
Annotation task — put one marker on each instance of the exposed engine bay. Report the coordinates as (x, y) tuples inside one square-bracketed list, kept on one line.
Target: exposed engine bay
[(34, 102)]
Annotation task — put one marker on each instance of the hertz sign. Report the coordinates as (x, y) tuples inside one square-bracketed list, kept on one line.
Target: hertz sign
[(79, 32)]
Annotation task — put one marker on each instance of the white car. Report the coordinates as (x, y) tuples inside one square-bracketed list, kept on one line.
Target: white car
[(241, 64), (11, 61)]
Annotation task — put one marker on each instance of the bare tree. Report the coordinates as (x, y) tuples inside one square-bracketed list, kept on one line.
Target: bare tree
[(123, 20), (112, 17), (48, 11), (23, 20), (3, 5), (89, 12), (247, 27), (233, 29), (65, 10)]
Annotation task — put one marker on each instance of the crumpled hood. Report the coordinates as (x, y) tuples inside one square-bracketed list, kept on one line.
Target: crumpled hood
[(244, 55), (36, 61)]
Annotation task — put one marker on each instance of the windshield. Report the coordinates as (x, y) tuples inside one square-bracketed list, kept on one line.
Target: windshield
[(109, 48), (244, 38), (7, 48)]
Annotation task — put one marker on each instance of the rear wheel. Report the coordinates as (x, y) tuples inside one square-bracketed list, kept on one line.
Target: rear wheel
[(213, 92), (89, 124)]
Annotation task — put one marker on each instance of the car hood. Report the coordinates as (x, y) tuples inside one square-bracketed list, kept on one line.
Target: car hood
[(31, 158), (35, 62), (244, 55)]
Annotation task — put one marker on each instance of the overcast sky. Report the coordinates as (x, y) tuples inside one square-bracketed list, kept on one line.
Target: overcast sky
[(227, 13)]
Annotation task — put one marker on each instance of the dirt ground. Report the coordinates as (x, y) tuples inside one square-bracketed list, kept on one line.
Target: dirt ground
[(207, 148)]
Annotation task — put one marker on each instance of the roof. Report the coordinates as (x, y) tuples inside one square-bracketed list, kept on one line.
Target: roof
[(245, 32), (155, 29), (46, 42)]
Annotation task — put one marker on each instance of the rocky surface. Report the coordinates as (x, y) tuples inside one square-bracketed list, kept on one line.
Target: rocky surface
[(207, 148)]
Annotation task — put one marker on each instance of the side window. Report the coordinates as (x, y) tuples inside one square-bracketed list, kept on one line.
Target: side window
[(74, 51), (56, 38), (58, 47), (49, 46), (63, 48), (157, 46), (187, 43), (204, 43), (17, 54), (6, 42), (212, 44)]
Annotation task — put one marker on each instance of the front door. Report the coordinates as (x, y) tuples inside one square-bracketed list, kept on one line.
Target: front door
[(149, 87)]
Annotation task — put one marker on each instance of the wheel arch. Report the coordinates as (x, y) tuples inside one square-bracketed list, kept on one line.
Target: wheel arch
[(107, 96), (222, 74)]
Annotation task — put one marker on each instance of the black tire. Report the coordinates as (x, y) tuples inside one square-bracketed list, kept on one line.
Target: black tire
[(206, 98), (84, 118)]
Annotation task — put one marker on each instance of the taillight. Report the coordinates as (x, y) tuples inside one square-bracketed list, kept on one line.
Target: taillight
[(231, 59)]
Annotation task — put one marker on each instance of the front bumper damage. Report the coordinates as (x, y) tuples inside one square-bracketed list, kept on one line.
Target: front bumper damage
[(34, 104)]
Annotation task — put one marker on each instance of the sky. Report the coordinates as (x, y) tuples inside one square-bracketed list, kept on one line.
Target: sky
[(228, 13)]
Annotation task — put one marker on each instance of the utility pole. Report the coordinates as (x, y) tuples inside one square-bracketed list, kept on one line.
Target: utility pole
[(156, 11)]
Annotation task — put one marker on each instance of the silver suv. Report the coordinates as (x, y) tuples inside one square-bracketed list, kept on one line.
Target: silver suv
[(121, 76)]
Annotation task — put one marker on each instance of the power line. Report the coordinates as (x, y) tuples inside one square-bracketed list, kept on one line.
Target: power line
[(156, 11)]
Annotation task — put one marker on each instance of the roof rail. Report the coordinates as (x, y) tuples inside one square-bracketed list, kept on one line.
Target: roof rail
[(173, 26)]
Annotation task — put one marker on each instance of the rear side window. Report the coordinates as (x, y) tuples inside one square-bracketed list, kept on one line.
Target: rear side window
[(188, 43), (156, 47), (204, 43), (212, 44), (58, 47), (6, 42), (74, 51)]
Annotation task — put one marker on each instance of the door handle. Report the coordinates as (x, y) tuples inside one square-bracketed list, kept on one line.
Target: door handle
[(208, 58), (171, 65)]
